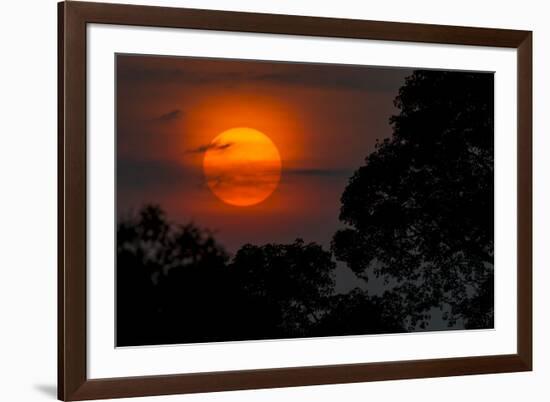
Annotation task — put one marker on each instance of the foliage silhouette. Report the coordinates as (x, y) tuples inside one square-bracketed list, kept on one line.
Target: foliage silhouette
[(288, 285), (175, 284), (163, 273), (420, 211), (358, 313)]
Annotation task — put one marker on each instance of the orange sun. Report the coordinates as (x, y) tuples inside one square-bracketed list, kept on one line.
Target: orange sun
[(242, 166)]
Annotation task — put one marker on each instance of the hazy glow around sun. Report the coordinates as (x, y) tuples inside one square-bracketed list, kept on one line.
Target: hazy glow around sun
[(242, 166)]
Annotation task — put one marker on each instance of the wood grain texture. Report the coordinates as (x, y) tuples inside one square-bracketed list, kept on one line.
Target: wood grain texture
[(72, 193), (73, 383), (60, 204), (525, 200), (299, 376)]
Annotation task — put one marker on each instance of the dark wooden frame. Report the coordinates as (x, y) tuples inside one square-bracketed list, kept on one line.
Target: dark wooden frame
[(73, 383)]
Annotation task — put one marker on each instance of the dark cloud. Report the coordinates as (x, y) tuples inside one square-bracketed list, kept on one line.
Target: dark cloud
[(153, 175), (241, 72), (349, 77), (172, 115), (320, 172), (159, 75), (259, 179), (158, 175), (212, 146)]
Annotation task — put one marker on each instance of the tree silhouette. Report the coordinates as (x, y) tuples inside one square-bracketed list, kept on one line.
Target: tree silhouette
[(420, 211), (358, 313), (164, 285), (175, 284), (288, 285)]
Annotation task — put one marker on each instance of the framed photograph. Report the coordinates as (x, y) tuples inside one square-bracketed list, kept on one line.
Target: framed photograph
[(254, 201)]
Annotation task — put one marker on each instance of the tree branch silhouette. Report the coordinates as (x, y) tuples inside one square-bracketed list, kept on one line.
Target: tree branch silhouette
[(420, 210)]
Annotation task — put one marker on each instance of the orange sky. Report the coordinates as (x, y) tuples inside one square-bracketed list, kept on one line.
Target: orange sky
[(323, 119)]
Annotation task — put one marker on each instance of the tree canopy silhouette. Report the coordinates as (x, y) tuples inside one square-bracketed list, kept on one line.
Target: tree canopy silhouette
[(358, 313), (420, 211), (289, 285), (176, 284), (164, 273)]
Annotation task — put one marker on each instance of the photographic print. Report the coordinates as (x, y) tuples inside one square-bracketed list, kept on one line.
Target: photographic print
[(251, 200), (271, 200)]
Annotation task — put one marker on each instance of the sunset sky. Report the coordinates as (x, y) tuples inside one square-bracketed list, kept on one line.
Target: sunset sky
[(323, 120)]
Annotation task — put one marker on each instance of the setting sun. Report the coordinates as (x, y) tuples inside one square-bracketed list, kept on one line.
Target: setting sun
[(242, 166)]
